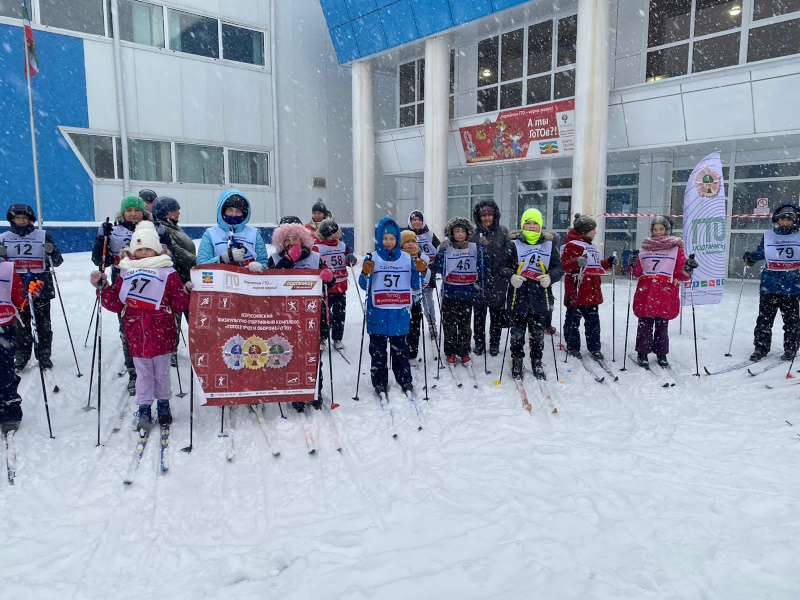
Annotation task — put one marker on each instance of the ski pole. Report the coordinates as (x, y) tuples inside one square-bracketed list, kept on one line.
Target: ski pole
[(547, 304), (424, 349), (358, 291), (363, 329), (427, 308), (789, 372), (191, 409), (64, 312), (486, 370), (439, 334), (627, 320), (508, 333), (330, 359), (91, 372), (613, 310), (736, 315), (89, 329), (28, 281), (560, 321), (180, 393), (694, 324), (99, 333)]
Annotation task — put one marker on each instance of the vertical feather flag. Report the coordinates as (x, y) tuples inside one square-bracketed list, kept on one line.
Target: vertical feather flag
[(32, 65)]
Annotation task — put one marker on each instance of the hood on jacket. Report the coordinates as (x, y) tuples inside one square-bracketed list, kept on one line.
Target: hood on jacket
[(794, 213), (573, 235), (289, 229), (459, 222), (476, 213), (417, 213), (222, 198), (387, 225)]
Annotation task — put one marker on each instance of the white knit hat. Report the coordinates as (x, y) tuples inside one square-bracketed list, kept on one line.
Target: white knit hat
[(145, 236)]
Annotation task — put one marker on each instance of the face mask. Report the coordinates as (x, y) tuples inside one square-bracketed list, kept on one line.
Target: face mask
[(233, 220), (531, 236)]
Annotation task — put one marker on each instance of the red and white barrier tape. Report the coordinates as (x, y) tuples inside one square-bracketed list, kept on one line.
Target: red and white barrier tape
[(650, 216)]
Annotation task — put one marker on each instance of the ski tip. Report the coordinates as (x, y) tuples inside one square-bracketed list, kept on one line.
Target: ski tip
[(460, 384), (394, 435), (419, 427), (528, 407), (56, 389), (555, 411), (127, 482), (751, 373), (312, 451), (706, 370)]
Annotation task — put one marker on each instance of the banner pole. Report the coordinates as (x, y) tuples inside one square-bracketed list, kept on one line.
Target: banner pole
[(33, 135)]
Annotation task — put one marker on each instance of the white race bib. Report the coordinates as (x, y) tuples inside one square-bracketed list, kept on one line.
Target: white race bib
[(25, 251), (334, 258), (391, 282), (531, 256), (782, 252), (144, 288), (425, 243), (461, 265), (659, 262), (593, 264)]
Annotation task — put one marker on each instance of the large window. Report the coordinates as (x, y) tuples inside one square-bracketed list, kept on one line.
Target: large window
[(242, 44), (11, 8), (691, 36), (250, 168), (411, 91), (527, 66), (140, 22), (622, 196), (85, 16), (193, 34), (98, 152), (199, 164), (150, 160), (552, 197), (461, 199)]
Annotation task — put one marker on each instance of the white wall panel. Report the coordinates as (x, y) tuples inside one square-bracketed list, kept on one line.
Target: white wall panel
[(455, 150), (719, 112), (387, 157), (654, 121), (775, 104), (242, 102), (101, 87), (201, 100), (411, 153), (107, 200), (627, 71), (159, 105), (265, 114), (617, 134), (129, 87)]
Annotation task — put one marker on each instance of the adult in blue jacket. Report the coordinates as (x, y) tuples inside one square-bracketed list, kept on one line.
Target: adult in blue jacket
[(389, 275), (780, 282), (232, 241)]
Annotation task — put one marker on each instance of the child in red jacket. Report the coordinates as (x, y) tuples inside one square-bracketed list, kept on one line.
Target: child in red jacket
[(12, 298), (336, 256), (582, 294), (148, 294), (660, 265)]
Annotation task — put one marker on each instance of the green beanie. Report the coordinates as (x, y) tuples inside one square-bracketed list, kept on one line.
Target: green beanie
[(531, 214), (131, 201)]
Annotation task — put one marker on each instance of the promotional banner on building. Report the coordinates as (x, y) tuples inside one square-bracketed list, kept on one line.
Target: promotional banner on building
[(704, 231), (531, 132), (254, 337)]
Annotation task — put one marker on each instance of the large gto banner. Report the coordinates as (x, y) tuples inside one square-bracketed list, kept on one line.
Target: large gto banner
[(254, 337), (532, 132)]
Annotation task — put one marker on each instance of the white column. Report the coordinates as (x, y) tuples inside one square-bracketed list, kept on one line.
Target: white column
[(363, 157), (437, 128), (591, 110)]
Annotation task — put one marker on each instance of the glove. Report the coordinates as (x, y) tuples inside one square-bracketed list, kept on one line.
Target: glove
[(35, 288), (98, 279), (326, 275), (582, 260), (255, 267), (633, 258), (233, 255), (444, 245), (295, 252), (367, 268), (2, 251), (747, 259), (421, 265), (544, 280), (612, 260), (107, 228), (483, 241), (188, 287), (48, 248), (517, 280), (477, 286), (691, 264), (351, 260)]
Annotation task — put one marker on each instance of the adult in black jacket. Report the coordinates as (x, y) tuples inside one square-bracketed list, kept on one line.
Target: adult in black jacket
[(493, 238)]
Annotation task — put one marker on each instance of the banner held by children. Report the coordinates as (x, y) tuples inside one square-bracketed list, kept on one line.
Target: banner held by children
[(254, 337), (704, 228)]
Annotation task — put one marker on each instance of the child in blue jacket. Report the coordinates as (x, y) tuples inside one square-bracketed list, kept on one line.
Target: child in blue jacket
[(780, 282), (232, 241), (389, 275)]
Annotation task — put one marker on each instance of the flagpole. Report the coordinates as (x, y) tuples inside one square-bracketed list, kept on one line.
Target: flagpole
[(33, 137)]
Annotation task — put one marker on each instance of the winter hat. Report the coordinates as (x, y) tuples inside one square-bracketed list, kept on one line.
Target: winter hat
[(292, 229), (145, 236), (416, 214), (789, 210), (534, 215), (236, 201), (463, 223), (164, 205), (290, 219), (319, 206), (583, 224), (131, 201), (327, 228), (148, 195), (661, 220), (407, 236), (20, 209), (486, 211)]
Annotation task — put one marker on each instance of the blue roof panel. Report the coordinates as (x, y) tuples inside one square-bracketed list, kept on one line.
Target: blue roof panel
[(335, 13), (464, 12), (399, 24), (344, 43), (432, 16), (369, 34), (359, 8)]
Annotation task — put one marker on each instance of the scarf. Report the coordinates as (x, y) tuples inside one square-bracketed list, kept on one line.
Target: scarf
[(665, 242), (151, 262)]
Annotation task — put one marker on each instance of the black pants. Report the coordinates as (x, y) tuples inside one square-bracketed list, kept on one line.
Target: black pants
[(768, 306), (337, 305), (591, 327), (498, 320), (415, 328), (379, 369), (456, 317), (42, 350), (520, 324), (10, 407)]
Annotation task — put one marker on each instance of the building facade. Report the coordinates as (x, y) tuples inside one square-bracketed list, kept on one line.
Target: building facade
[(215, 94), (684, 78)]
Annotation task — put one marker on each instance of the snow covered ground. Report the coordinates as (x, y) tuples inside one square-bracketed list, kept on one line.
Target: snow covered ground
[(630, 491)]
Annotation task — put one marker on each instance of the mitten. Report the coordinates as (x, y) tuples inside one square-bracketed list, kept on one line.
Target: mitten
[(351, 260), (326, 275), (295, 252), (421, 265), (582, 262), (255, 267), (544, 280), (517, 280), (367, 268)]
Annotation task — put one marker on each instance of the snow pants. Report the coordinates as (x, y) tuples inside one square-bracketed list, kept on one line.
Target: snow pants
[(42, 350), (429, 306), (415, 328), (591, 327), (10, 405), (498, 320), (152, 379), (522, 323), (652, 335), (337, 309), (456, 317), (379, 369), (768, 306)]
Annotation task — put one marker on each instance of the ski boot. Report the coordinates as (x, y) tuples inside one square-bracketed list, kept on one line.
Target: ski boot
[(757, 355), (494, 350), (661, 359), (479, 349), (597, 355), (642, 360), (317, 404), (338, 345), (131, 382), (408, 388), (538, 369), (10, 414), (516, 368), (45, 363), (299, 406), (19, 365), (465, 360), (788, 355), (575, 353), (164, 414), (144, 417)]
